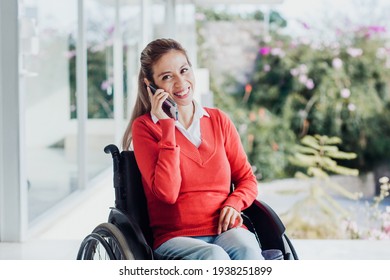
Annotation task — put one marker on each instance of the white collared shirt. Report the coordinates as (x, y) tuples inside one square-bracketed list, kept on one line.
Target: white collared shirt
[(193, 133)]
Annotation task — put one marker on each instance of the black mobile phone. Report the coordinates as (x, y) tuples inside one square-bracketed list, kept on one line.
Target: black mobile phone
[(169, 106)]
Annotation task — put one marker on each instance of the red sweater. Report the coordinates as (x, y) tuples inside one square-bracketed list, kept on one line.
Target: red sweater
[(185, 186)]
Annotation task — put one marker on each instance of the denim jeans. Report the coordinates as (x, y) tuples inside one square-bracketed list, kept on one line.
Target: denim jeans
[(234, 244)]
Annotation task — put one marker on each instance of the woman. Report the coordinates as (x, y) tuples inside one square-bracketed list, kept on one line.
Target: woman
[(188, 164)]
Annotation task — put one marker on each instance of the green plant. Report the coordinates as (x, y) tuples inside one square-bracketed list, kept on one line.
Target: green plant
[(318, 214), (266, 140), (336, 87), (339, 88)]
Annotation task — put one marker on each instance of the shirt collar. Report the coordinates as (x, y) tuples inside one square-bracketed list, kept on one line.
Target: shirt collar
[(199, 112)]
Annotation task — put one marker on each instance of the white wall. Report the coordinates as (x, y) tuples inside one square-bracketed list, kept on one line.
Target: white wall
[(12, 183)]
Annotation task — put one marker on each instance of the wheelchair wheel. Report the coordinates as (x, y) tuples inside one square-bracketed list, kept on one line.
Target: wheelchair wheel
[(106, 242)]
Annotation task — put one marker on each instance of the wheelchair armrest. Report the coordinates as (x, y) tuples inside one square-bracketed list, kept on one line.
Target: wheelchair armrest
[(262, 209), (267, 224)]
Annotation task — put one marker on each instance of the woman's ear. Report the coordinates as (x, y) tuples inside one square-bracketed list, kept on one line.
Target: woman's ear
[(146, 81)]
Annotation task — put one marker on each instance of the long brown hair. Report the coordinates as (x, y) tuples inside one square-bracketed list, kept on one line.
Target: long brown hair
[(149, 56)]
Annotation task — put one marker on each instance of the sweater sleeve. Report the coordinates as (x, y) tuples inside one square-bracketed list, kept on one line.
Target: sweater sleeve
[(158, 159), (242, 176)]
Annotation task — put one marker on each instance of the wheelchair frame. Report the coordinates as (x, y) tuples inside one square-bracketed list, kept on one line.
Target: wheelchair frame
[(127, 234)]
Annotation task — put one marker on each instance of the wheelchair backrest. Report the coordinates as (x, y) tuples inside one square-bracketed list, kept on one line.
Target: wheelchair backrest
[(129, 196)]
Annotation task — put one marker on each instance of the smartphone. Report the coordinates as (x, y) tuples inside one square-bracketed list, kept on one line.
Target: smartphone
[(169, 106)]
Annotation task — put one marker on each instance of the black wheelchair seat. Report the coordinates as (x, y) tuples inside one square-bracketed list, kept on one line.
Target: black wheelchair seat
[(127, 234)]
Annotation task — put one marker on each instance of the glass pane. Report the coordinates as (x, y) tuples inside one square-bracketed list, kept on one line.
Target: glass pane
[(46, 38), (131, 15), (101, 89), (159, 26), (185, 27), (100, 125)]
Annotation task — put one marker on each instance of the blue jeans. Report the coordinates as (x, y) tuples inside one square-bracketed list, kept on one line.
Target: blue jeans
[(234, 244)]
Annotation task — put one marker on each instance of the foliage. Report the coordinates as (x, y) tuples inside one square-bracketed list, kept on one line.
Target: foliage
[(223, 15), (318, 214), (339, 89), (318, 154), (266, 142), (266, 138), (266, 149)]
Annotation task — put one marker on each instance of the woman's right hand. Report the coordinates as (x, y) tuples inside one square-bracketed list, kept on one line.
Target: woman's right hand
[(156, 101)]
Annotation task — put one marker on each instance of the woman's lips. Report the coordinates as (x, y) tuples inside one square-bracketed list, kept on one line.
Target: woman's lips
[(182, 94)]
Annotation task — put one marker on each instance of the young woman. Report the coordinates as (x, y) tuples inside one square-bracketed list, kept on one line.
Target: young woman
[(188, 164)]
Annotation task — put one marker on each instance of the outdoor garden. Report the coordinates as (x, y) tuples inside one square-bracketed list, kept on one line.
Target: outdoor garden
[(312, 110)]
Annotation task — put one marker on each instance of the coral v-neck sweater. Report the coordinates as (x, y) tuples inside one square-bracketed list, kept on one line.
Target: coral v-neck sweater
[(186, 187)]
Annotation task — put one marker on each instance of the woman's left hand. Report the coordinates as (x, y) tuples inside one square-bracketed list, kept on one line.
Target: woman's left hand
[(228, 219)]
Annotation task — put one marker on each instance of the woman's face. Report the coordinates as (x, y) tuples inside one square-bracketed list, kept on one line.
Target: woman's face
[(173, 74)]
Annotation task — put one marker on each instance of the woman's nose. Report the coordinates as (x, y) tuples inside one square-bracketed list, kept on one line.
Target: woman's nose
[(179, 82)]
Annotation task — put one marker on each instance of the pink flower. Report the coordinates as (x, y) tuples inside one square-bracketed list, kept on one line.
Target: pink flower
[(105, 85), (278, 52), (265, 51), (351, 107), (337, 63), (302, 79), (368, 31), (309, 84), (354, 52), (377, 29), (110, 30), (294, 72), (345, 93), (305, 25)]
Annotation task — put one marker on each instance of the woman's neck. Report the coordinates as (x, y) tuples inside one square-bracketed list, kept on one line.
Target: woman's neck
[(186, 114)]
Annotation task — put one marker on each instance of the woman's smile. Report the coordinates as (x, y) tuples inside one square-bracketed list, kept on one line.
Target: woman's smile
[(183, 94)]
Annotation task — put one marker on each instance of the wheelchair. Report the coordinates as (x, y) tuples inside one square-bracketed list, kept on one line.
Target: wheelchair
[(127, 235)]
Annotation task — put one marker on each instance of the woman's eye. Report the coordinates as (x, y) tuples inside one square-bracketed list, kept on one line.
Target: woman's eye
[(184, 70), (166, 77)]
